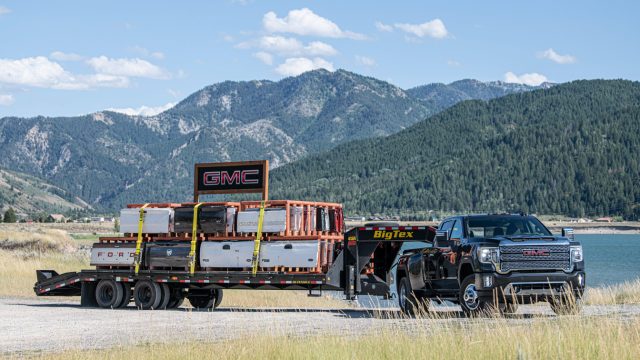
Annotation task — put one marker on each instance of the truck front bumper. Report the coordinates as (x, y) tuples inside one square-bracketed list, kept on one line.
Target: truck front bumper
[(530, 287)]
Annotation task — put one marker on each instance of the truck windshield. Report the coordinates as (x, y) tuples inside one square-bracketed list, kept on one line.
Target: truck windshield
[(490, 226)]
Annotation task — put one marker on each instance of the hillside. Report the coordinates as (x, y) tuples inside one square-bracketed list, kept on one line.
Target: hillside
[(439, 96), (27, 194), (572, 149), (109, 159)]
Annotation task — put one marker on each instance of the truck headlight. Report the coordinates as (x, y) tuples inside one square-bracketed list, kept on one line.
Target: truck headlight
[(576, 253), (488, 255)]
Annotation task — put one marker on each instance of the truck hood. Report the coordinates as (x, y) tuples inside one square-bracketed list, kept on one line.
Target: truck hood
[(528, 240)]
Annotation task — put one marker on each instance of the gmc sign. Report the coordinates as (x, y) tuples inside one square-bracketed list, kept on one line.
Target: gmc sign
[(533, 252), (236, 177)]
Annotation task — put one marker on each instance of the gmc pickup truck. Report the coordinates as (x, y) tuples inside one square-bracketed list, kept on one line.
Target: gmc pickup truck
[(492, 263)]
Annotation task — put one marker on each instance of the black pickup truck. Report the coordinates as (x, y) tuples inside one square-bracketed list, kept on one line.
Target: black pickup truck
[(490, 263)]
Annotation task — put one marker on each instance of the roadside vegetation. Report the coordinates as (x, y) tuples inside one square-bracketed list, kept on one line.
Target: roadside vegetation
[(554, 338)]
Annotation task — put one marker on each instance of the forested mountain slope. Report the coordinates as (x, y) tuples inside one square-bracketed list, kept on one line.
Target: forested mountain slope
[(572, 149)]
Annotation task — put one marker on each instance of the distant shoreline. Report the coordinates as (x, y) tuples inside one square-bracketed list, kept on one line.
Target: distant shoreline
[(592, 228)]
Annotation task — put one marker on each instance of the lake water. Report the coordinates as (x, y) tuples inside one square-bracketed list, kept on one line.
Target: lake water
[(611, 259)]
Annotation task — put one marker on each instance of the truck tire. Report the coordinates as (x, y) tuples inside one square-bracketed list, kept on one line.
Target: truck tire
[(471, 303), (406, 298), (126, 296), (563, 306), (166, 296), (147, 295), (109, 294)]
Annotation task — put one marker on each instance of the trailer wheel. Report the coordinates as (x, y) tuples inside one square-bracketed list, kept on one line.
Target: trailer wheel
[(176, 298), (147, 295), (109, 294), (406, 298), (218, 295), (126, 295), (166, 296), (205, 299)]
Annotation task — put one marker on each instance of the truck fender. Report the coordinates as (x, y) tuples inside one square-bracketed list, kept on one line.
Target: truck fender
[(415, 271), (465, 269)]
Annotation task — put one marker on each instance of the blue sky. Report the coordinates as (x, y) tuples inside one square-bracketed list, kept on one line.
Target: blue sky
[(78, 57)]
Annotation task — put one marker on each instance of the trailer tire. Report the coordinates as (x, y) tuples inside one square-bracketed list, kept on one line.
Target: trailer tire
[(147, 295), (205, 299), (176, 298), (218, 294), (126, 296), (109, 294), (166, 296)]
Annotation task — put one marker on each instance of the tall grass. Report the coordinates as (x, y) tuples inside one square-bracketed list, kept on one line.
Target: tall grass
[(556, 338), (625, 293)]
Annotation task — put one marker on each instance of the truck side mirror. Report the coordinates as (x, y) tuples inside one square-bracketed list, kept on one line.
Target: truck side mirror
[(568, 233), (442, 238)]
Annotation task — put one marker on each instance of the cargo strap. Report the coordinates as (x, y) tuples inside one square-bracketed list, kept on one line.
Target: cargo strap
[(137, 257), (255, 260), (194, 240)]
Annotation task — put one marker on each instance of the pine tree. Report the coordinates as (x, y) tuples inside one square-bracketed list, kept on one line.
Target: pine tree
[(10, 216)]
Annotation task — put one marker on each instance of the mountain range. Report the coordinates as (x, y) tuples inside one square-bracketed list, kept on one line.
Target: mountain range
[(572, 149), (108, 159)]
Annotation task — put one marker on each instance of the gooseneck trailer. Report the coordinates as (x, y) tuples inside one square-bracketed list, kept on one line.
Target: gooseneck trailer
[(175, 251)]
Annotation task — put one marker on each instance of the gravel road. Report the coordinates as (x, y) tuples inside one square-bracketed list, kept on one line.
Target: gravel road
[(48, 325)]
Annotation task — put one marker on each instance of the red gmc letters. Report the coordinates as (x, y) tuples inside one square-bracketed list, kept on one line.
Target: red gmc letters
[(245, 177)]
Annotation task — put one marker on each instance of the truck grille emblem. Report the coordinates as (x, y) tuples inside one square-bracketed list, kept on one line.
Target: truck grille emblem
[(533, 252)]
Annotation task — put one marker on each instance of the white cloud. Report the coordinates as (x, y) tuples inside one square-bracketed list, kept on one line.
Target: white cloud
[(42, 72), (6, 99), (531, 79), (434, 28), (127, 67), (296, 66), (454, 63), (142, 51), (4, 10), (383, 27), (306, 22), (366, 61), (288, 46), (555, 57), (264, 57), (35, 71), (144, 110), (61, 56)]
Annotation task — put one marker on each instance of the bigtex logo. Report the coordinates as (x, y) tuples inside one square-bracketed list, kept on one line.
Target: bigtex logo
[(394, 234)]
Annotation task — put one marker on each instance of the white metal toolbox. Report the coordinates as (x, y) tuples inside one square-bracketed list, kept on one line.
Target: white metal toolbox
[(297, 253), (112, 254), (156, 220), (275, 220), (226, 254)]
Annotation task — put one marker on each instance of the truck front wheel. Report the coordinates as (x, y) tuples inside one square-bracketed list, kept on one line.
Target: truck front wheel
[(471, 302)]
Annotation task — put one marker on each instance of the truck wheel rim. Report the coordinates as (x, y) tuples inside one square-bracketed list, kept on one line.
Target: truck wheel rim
[(470, 297), (403, 296)]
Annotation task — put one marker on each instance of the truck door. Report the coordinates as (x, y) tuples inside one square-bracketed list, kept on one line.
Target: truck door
[(443, 261)]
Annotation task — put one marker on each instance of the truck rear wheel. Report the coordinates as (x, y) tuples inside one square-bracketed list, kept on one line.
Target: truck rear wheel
[(407, 300), (166, 296), (147, 295), (471, 302), (109, 294)]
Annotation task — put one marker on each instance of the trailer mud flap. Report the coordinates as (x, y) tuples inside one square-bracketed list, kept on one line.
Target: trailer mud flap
[(88, 294)]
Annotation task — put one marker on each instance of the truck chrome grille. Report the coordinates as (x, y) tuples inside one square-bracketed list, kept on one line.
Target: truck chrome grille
[(550, 257)]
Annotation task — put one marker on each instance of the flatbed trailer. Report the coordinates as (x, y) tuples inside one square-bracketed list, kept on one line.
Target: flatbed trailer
[(364, 266)]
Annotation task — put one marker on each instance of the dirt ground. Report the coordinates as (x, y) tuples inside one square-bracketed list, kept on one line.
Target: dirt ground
[(50, 325)]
